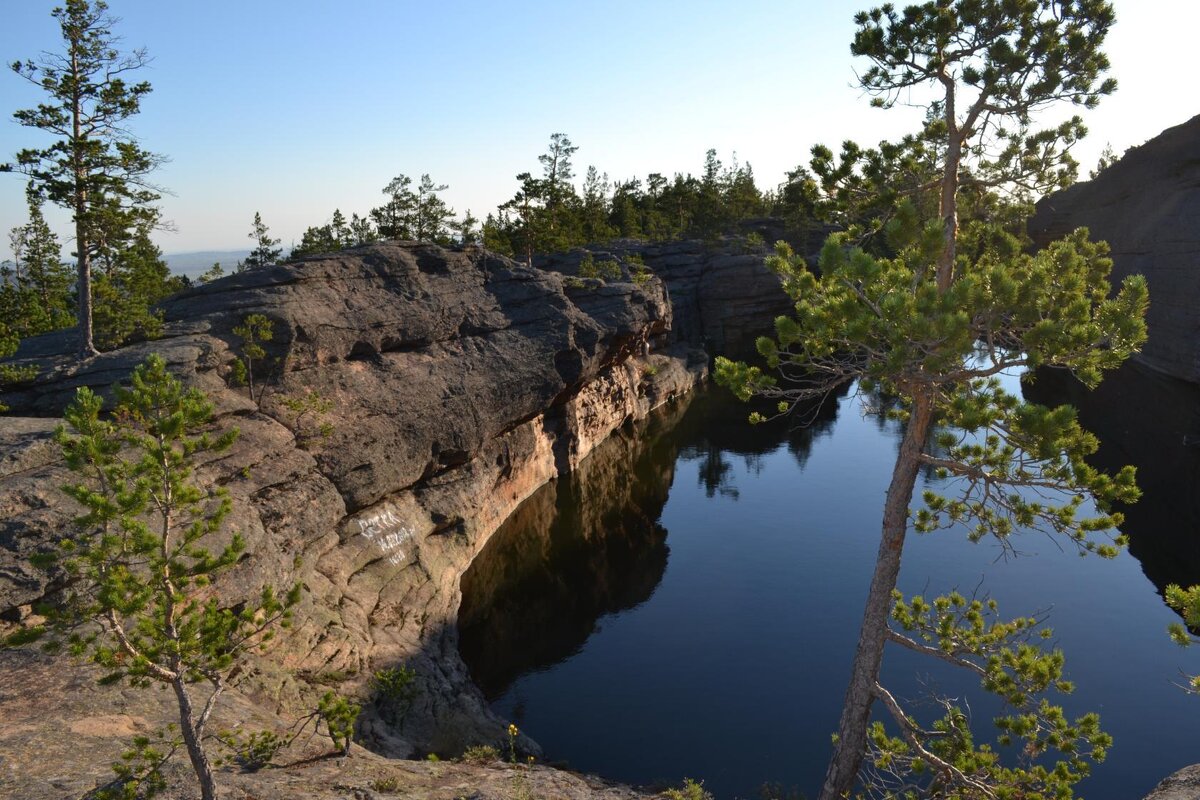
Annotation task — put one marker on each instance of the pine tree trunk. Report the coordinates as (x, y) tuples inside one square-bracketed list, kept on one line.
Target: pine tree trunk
[(191, 738), (856, 711), (83, 286), (83, 292)]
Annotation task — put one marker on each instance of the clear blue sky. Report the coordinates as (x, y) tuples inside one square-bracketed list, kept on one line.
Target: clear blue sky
[(296, 108)]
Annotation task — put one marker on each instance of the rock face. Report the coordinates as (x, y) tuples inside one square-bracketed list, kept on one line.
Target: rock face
[(1146, 206), (1182, 785), (460, 381), (579, 548), (722, 296)]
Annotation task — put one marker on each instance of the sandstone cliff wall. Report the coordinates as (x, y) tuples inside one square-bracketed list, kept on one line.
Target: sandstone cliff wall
[(461, 382), (1147, 206), (722, 297)]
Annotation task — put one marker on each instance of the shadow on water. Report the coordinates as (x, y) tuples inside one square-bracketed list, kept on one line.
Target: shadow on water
[(590, 543), (1152, 421)]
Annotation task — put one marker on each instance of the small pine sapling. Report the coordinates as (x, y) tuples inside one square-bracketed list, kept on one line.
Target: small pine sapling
[(254, 331), (139, 600)]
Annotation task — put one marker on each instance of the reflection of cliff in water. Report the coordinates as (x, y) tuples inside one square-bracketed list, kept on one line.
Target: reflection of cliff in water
[(1149, 420), (590, 544), (585, 545)]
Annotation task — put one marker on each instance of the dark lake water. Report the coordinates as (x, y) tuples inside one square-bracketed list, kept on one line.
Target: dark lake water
[(687, 603)]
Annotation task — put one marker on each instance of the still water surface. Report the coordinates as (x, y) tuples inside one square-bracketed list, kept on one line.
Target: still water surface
[(687, 604)]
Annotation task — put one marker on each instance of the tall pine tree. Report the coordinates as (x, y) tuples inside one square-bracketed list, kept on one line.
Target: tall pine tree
[(94, 168), (955, 304)]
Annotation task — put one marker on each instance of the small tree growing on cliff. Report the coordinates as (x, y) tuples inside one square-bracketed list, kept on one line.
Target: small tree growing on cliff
[(139, 600), (255, 331), (934, 324)]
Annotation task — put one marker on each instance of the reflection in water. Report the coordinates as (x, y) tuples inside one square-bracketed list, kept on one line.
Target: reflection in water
[(585, 545), (710, 438), (589, 544), (726, 656), (1149, 420)]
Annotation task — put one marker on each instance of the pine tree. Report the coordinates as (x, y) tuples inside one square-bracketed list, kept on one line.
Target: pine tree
[(340, 230), (431, 215), (266, 250), (361, 231), (315, 241), (932, 324), (140, 561), (520, 225), (1187, 603), (558, 171), (594, 212), (396, 219), (95, 168), (35, 292), (212, 273), (467, 229), (131, 277)]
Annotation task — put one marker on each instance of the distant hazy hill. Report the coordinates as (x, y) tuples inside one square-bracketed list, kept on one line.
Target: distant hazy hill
[(193, 264)]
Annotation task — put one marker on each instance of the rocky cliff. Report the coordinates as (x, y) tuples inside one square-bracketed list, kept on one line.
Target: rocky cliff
[(1146, 206), (460, 383), (721, 295)]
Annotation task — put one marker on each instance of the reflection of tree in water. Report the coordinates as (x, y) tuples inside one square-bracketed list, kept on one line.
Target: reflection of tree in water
[(590, 544), (717, 428), (1143, 418), (715, 470)]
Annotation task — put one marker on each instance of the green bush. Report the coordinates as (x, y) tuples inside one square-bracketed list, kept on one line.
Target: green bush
[(394, 690), (608, 269), (254, 751), (339, 715), (691, 790), (389, 784)]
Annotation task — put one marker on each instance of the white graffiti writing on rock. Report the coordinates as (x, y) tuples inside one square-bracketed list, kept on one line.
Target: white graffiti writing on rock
[(388, 533)]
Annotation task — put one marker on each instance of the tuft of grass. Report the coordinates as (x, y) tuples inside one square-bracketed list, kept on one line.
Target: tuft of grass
[(388, 784), (480, 754)]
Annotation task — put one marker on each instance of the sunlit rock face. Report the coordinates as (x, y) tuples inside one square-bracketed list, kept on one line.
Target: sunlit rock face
[(581, 547), (460, 382), (1146, 206)]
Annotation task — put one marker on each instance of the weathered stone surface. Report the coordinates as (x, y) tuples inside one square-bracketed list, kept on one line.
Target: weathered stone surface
[(1181, 785), (722, 295), (461, 382), (1146, 206), (61, 731)]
